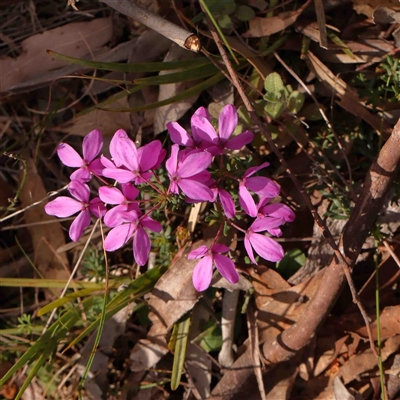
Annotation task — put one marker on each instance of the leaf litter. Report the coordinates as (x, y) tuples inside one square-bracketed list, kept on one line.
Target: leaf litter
[(135, 356)]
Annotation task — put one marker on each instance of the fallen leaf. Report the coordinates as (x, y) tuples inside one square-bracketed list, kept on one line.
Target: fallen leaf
[(367, 360), (171, 298), (76, 39), (174, 111), (260, 27), (46, 237), (106, 121)]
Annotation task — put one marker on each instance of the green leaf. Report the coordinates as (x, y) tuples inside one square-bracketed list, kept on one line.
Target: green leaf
[(274, 84), (291, 263), (245, 13), (179, 339), (126, 67), (295, 102), (274, 110), (224, 21)]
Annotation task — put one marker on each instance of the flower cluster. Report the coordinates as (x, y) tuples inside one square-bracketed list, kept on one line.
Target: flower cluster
[(196, 172)]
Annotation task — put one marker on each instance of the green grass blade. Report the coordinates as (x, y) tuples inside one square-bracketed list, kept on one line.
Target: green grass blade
[(66, 299), (180, 338), (125, 67), (189, 74), (135, 289), (32, 373), (59, 283), (181, 96), (221, 35), (95, 344)]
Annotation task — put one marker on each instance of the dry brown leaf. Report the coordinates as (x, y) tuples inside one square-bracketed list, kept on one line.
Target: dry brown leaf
[(367, 7), (389, 321), (172, 297), (174, 111), (349, 99), (106, 121), (75, 39), (46, 238), (367, 360), (260, 27)]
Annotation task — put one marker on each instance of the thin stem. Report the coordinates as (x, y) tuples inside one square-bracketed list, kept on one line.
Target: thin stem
[(378, 333)]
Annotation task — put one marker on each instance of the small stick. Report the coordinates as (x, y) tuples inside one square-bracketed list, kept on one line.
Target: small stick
[(180, 36)]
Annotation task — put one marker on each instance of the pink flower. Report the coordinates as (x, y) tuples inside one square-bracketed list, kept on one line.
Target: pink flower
[(263, 245), (180, 136), (65, 207), (124, 200), (132, 164), (187, 171), (227, 203), (91, 147), (227, 123), (132, 225), (203, 271), (260, 185)]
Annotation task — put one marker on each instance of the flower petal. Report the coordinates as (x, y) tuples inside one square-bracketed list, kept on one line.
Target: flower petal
[(130, 191), (194, 163), (195, 190), (118, 236), (114, 216), (150, 224), (266, 247), (202, 274), (172, 162), (227, 122), (141, 246), (81, 222), (80, 191), (96, 167), (148, 155), (81, 174), (111, 195), (253, 170), (227, 203), (97, 207), (249, 249), (246, 201), (179, 135), (202, 128), (239, 141), (263, 186), (226, 268), (279, 210), (220, 248), (92, 145), (63, 207), (69, 156), (198, 253), (266, 223), (124, 151), (119, 174)]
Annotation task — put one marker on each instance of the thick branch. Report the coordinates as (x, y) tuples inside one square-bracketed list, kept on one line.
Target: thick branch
[(173, 32), (369, 204)]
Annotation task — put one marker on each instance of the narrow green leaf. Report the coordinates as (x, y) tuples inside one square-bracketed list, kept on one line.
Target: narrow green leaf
[(58, 283), (181, 96), (66, 299), (180, 338), (95, 344), (189, 74), (125, 67), (221, 35), (32, 373)]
